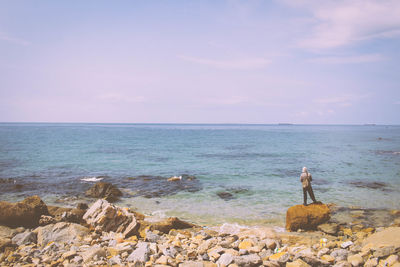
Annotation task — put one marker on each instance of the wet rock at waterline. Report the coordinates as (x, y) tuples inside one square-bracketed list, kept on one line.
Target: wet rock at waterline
[(25, 213)]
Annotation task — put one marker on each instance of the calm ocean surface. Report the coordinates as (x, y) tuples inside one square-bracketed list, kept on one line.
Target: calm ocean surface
[(231, 173)]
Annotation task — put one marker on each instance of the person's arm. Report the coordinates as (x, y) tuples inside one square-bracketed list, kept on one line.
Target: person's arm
[(309, 176)]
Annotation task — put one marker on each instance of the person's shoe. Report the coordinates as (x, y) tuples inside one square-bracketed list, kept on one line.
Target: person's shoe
[(304, 204)]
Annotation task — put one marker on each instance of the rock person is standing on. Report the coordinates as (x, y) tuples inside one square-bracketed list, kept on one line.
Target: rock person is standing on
[(305, 179)]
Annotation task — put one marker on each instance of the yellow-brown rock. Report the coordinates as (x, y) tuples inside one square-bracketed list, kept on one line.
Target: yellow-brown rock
[(25, 213), (328, 258), (306, 217)]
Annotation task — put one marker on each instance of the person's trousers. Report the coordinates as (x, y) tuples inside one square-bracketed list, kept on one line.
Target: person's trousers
[(310, 191)]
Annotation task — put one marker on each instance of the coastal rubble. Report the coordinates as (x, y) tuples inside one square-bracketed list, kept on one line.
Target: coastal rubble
[(104, 216), (161, 244)]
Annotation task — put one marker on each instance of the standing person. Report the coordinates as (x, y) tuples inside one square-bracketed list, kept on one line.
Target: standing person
[(305, 179)]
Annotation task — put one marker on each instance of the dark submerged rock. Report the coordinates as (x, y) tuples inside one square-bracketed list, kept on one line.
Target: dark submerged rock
[(150, 186), (232, 192), (225, 195), (370, 185), (104, 190)]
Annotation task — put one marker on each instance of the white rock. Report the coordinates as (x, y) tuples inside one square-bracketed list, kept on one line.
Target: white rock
[(93, 253), (225, 259), (140, 254), (346, 244)]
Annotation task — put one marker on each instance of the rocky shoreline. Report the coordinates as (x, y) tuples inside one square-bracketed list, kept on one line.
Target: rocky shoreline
[(103, 234)]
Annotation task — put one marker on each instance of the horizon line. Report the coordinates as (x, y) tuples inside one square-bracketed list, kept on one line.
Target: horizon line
[(205, 123)]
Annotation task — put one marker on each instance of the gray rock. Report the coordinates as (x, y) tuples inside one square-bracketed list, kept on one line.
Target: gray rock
[(270, 243), (4, 242), (77, 259), (304, 253), (170, 252), (243, 252), (384, 252), (140, 254), (342, 264), (339, 254), (6, 234), (24, 238), (152, 237), (51, 248), (225, 259), (60, 232), (346, 244), (322, 252), (95, 252), (248, 260), (116, 260), (265, 253)]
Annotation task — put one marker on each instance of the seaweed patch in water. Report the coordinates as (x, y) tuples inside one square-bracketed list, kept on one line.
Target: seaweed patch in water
[(150, 186), (370, 185)]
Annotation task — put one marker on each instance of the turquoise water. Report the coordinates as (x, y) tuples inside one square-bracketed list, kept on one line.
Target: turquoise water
[(257, 167)]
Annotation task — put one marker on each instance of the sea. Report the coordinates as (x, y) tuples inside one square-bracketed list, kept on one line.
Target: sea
[(224, 173)]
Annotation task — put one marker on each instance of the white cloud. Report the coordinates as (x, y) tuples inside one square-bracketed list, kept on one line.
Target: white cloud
[(245, 63), (344, 100), (10, 39), (348, 59), (344, 22)]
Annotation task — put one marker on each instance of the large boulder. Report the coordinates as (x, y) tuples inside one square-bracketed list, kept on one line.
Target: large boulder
[(104, 190), (389, 237), (306, 217), (62, 232), (106, 217), (25, 213)]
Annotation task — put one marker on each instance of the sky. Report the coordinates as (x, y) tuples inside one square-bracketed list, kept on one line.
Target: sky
[(288, 61)]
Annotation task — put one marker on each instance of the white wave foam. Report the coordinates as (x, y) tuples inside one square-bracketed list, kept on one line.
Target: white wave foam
[(91, 179), (231, 228)]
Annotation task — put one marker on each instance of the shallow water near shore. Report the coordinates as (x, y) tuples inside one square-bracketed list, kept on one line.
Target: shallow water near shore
[(246, 174)]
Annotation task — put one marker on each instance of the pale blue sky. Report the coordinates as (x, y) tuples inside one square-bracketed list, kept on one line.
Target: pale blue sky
[(297, 61)]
